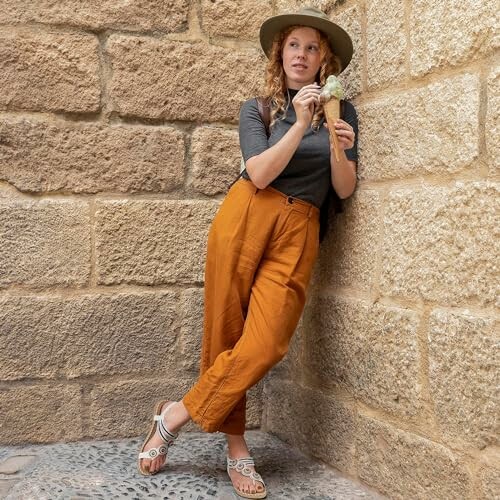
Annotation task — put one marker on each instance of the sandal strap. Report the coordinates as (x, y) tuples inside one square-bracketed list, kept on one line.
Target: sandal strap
[(242, 465), (167, 436), (154, 452)]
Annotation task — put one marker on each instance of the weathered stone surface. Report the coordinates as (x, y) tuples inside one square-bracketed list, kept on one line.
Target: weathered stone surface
[(493, 119), (439, 243), (216, 159), (348, 253), (386, 42), (100, 14), (181, 81), (152, 242), (464, 357), (16, 463), (490, 482), (312, 421), (240, 19), (350, 21), (368, 349), (403, 465), (49, 71), (125, 408), (429, 130), (44, 242), (284, 6), (433, 32), (255, 403), (87, 335), (41, 156), (40, 414)]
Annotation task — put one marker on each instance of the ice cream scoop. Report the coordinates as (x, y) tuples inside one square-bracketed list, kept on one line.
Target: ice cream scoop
[(330, 96)]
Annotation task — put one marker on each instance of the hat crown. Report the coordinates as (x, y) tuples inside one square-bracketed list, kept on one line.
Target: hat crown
[(311, 11)]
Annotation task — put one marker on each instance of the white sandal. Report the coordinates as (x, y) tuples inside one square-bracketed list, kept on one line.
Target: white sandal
[(241, 465), (167, 437)]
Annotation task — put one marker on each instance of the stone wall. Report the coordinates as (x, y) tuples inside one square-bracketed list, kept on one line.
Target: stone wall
[(118, 139), (393, 375)]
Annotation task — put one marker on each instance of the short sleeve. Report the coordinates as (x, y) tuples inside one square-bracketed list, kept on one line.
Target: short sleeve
[(351, 117), (252, 131)]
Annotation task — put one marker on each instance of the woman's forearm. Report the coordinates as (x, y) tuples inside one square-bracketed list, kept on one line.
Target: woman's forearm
[(343, 175), (264, 168)]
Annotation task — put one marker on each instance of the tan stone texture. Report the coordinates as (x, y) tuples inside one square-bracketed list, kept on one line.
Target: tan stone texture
[(402, 465), (56, 72), (154, 78), (191, 331), (350, 78), (464, 357), (348, 253), (87, 335), (229, 18), (125, 408), (493, 119), (44, 242), (440, 243), (490, 483), (386, 42), (450, 33), (368, 349), (215, 159), (312, 421), (45, 156), (100, 14), (428, 130), (152, 242), (284, 6), (40, 414)]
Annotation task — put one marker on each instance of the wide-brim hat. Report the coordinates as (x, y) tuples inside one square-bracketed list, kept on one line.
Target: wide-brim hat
[(340, 41)]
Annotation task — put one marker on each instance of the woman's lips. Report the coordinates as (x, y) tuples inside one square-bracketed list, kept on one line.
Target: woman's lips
[(299, 67)]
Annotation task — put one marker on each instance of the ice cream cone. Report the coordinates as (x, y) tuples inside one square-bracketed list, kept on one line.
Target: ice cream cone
[(332, 114)]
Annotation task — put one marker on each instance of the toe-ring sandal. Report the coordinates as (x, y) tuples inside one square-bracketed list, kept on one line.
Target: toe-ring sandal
[(242, 465), (167, 437)]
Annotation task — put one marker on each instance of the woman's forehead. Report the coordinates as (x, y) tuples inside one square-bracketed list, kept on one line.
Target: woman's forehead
[(305, 32)]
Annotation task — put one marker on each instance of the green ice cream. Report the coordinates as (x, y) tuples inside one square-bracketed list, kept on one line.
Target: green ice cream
[(332, 88)]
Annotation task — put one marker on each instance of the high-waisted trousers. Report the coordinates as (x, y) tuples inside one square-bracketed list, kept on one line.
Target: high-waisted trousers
[(262, 245)]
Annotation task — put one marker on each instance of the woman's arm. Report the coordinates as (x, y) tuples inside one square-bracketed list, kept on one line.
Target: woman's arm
[(266, 166)]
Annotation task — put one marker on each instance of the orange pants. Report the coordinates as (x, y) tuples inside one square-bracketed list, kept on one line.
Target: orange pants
[(261, 249)]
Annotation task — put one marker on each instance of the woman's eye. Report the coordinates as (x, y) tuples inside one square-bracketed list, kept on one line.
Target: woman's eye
[(313, 48)]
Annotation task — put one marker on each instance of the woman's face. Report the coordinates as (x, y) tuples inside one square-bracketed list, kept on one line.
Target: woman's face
[(301, 57)]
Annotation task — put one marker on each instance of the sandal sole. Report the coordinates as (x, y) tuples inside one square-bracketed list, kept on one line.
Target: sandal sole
[(152, 430)]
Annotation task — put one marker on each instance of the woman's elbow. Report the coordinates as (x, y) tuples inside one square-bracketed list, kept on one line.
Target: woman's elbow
[(258, 181)]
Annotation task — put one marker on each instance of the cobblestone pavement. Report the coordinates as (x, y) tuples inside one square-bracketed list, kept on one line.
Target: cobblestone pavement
[(196, 470)]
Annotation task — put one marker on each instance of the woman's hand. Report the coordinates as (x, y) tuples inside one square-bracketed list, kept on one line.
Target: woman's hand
[(305, 102), (345, 134)]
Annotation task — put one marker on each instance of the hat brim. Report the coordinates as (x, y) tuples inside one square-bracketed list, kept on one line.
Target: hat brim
[(340, 41)]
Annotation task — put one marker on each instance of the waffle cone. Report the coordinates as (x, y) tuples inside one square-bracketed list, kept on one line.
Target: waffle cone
[(332, 114)]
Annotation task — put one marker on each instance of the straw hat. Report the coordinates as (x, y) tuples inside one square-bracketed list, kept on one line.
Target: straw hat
[(340, 41)]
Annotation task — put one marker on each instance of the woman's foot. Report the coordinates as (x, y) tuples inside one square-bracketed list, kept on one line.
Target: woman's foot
[(237, 448), (174, 419)]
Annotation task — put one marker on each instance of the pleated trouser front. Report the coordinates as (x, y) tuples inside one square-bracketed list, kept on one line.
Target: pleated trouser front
[(261, 248)]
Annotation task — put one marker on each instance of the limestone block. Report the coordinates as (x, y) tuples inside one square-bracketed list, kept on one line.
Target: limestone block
[(125, 408), (49, 71), (284, 6), (152, 242), (41, 156), (439, 243), (348, 253), (386, 42), (434, 27), (100, 14), (191, 329), (312, 421), (216, 159), (87, 335), (402, 465), (428, 130), (173, 80), (464, 357), (240, 19), (44, 242), (368, 349), (493, 120), (490, 482), (255, 403), (40, 414)]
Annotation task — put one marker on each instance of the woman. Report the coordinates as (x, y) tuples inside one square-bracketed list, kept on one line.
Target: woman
[(263, 241)]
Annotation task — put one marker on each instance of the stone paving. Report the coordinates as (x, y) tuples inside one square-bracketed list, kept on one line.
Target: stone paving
[(196, 470)]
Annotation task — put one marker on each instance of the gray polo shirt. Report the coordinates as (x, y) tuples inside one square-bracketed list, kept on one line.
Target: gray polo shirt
[(307, 175)]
